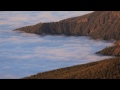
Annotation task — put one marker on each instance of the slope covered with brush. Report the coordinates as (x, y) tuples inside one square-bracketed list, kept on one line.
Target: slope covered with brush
[(106, 69), (98, 25)]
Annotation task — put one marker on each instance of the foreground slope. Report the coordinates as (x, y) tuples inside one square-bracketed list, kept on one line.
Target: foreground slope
[(106, 69), (98, 25)]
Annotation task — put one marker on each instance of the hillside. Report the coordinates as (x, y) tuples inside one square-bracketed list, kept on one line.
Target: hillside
[(105, 69), (113, 50), (98, 25)]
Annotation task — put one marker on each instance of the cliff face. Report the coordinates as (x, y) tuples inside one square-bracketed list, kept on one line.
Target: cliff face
[(99, 24)]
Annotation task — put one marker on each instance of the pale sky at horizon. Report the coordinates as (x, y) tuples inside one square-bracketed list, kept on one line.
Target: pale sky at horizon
[(22, 18)]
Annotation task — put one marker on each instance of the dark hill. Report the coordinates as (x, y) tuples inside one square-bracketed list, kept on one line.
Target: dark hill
[(106, 69), (98, 25)]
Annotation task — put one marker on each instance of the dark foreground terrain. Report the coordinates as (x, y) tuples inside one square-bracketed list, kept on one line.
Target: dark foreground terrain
[(105, 69)]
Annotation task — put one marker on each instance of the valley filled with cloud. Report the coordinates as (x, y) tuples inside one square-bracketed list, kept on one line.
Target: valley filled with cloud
[(23, 54)]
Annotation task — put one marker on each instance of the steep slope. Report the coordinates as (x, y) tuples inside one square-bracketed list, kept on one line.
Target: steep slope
[(113, 50), (106, 69), (99, 24)]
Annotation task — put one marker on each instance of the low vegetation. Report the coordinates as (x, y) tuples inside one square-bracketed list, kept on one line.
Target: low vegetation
[(105, 69)]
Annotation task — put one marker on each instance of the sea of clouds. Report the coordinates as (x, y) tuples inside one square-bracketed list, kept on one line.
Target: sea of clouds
[(23, 54)]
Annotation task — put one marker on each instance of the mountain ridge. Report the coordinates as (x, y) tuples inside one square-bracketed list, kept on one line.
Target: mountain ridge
[(98, 25)]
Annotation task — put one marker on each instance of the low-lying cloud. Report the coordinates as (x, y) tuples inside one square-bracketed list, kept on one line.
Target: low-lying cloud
[(34, 54), (23, 54)]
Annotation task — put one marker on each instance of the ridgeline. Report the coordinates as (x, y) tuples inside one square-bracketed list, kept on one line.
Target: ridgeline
[(98, 25)]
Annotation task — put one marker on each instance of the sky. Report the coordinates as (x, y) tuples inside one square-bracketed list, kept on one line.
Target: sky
[(21, 18), (23, 54)]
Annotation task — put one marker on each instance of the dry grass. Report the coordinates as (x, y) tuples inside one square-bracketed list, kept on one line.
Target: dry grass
[(105, 69)]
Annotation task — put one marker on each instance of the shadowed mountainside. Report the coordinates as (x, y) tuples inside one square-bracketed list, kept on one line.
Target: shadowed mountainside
[(113, 50), (98, 25), (105, 69)]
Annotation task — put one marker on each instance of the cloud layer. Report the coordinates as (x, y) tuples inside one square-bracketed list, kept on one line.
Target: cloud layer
[(24, 54)]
